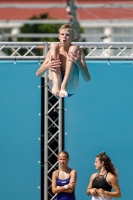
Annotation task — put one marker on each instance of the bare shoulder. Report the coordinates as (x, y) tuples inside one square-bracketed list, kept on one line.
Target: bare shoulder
[(93, 176), (73, 175), (55, 173), (91, 180), (73, 171), (111, 177)]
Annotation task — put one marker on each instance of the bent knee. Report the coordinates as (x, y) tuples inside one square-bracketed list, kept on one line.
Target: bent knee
[(73, 49), (54, 45)]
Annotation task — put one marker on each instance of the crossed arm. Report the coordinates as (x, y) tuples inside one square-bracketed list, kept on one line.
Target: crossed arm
[(49, 63), (77, 58), (71, 185)]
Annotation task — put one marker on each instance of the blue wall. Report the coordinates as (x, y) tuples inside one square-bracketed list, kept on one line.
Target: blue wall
[(20, 103), (99, 117)]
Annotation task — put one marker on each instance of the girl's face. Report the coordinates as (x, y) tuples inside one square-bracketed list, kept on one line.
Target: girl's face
[(98, 164), (66, 36), (63, 160)]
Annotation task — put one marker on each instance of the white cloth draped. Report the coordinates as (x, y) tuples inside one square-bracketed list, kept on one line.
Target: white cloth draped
[(101, 198)]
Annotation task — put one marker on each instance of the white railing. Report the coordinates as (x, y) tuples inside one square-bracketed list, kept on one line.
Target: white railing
[(92, 50)]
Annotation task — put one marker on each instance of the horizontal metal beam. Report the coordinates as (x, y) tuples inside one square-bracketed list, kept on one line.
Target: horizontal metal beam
[(36, 21), (54, 35), (108, 58), (97, 50), (30, 35), (41, 58), (84, 23), (92, 44), (105, 5), (14, 58), (31, 5), (41, 6), (106, 23), (24, 43)]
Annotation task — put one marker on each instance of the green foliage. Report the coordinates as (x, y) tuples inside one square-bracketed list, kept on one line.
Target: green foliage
[(39, 28)]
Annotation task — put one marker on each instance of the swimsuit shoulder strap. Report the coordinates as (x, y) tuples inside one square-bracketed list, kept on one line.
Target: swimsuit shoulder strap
[(58, 172)]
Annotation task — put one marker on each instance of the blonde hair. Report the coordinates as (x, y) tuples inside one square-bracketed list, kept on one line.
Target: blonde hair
[(70, 27)]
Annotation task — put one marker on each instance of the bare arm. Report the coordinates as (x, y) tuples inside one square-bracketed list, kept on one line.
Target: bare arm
[(90, 190), (72, 184), (112, 180), (49, 63), (58, 189), (44, 66)]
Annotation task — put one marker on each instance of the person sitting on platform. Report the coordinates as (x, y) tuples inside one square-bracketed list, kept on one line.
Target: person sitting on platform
[(64, 61)]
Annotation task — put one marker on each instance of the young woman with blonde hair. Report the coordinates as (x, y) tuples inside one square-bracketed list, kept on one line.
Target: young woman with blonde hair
[(64, 179)]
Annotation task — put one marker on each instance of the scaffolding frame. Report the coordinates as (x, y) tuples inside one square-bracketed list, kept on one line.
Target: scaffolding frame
[(92, 50), (52, 136)]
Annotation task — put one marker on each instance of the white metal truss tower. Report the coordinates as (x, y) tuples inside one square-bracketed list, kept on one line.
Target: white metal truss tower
[(53, 137)]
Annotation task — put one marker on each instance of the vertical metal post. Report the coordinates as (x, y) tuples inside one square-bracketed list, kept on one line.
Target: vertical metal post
[(46, 133), (60, 124), (75, 21)]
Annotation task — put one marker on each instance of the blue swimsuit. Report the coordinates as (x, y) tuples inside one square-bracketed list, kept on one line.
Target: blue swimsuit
[(64, 195)]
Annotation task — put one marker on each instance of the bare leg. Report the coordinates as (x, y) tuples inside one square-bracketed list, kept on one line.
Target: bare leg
[(56, 75), (70, 81)]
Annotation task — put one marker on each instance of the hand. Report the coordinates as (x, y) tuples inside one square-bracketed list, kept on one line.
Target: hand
[(54, 64), (93, 191), (101, 192), (74, 57)]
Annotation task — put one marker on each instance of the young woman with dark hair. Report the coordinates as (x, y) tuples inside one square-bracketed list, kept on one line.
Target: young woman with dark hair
[(105, 180)]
